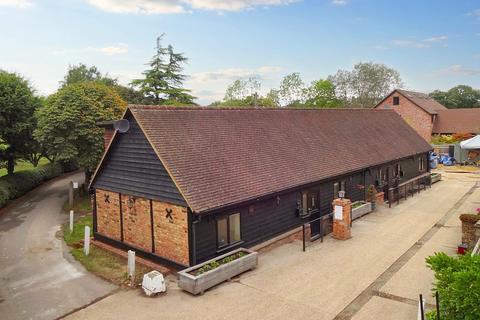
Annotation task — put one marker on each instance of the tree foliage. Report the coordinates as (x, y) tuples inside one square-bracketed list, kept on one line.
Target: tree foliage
[(366, 84), (67, 123), (163, 82), (246, 93), (82, 73), (457, 280), (292, 90), (460, 96), (321, 94), (17, 107)]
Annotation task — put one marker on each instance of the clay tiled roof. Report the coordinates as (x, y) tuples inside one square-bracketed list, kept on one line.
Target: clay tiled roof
[(423, 100), (457, 121), (220, 157)]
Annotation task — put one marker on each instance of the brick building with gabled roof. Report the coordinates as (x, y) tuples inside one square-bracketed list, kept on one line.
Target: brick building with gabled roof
[(428, 117), (183, 185)]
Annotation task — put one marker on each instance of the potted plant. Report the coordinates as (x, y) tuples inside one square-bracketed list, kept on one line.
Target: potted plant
[(372, 195)]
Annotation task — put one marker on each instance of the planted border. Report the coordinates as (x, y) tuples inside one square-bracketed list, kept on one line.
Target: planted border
[(203, 276)]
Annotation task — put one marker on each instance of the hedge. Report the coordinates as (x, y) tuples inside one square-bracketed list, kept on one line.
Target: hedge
[(16, 185)]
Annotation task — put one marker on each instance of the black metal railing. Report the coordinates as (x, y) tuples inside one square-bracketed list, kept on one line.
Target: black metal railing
[(408, 188)]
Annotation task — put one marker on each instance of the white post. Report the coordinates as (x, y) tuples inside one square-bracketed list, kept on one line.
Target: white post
[(86, 243), (131, 264), (71, 220)]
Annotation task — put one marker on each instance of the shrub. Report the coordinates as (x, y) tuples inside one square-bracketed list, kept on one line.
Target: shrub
[(16, 185), (457, 280), (471, 218)]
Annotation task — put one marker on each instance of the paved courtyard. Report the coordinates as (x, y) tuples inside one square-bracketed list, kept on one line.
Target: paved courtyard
[(377, 274)]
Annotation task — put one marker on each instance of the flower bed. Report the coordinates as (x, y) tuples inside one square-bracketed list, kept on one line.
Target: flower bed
[(360, 208), (199, 278)]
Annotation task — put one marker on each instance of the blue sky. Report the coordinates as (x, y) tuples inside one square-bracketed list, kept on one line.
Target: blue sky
[(432, 43)]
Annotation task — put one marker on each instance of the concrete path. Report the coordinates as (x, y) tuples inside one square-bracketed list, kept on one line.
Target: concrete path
[(38, 277), (375, 275)]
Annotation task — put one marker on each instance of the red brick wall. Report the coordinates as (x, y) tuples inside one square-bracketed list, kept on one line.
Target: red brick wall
[(170, 231), (171, 234), (136, 222), (107, 136), (415, 116), (108, 214)]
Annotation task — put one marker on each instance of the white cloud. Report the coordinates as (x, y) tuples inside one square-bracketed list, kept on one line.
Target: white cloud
[(380, 47), (474, 13), (234, 73), (339, 2), (181, 6), (436, 39), (112, 50), (459, 70), (410, 44), (210, 86), (139, 6), (16, 3), (425, 43)]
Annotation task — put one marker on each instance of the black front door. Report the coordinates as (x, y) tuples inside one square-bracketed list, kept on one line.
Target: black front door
[(313, 206)]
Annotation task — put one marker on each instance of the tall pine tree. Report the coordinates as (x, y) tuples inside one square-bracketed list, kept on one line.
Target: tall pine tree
[(163, 82)]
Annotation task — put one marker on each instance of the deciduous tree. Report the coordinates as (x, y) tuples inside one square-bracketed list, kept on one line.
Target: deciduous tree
[(292, 90), (17, 106), (460, 96), (321, 94), (366, 84), (67, 123)]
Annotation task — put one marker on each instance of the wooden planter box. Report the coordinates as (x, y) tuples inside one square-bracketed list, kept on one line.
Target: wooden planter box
[(435, 177), (197, 284), (362, 210)]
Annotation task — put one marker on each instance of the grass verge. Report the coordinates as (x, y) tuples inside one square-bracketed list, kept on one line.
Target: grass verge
[(80, 205), (100, 262), (24, 165)]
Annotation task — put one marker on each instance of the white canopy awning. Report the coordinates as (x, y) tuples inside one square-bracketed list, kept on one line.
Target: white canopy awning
[(472, 143)]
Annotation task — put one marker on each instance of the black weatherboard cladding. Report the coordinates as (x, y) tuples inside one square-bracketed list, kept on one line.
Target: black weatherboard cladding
[(133, 168)]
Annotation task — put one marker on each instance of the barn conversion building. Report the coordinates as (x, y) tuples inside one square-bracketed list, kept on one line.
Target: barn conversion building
[(429, 117), (183, 185)]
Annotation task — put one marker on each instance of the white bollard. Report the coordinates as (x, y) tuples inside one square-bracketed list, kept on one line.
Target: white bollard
[(71, 220), (131, 264), (86, 243)]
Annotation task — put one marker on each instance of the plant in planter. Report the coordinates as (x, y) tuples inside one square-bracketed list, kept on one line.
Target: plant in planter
[(372, 195), (205, 275), (360, 208)]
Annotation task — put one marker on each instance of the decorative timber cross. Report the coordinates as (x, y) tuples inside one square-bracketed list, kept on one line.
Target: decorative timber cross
[(169, 215)]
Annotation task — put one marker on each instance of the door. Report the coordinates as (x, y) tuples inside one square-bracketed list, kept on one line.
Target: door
[(313, 207)]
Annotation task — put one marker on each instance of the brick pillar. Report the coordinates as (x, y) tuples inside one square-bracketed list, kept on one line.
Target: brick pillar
[(342, 218)]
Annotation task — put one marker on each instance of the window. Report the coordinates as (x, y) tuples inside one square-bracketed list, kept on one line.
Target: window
[(396, 101), (337, 187), (228, 230), (421, 164), (398, 171)]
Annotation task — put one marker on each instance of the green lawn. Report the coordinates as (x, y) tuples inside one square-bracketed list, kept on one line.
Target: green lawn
[(23, 165), (80, 205), (101, 262)]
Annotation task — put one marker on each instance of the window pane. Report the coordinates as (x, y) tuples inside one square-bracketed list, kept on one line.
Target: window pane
[(234, 221), (336, 188), (222, 235), (342, 186)]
